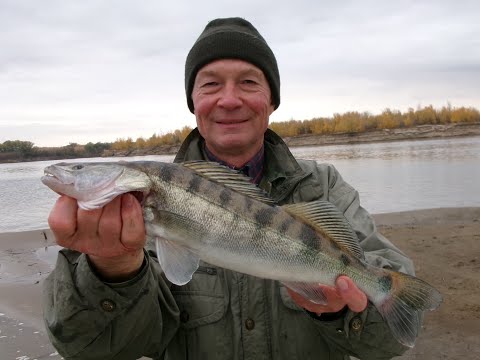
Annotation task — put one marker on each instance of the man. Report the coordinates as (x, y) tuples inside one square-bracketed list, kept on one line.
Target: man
[(107, 298)]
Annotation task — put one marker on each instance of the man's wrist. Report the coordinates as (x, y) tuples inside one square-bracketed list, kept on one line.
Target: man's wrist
[(117, 269)]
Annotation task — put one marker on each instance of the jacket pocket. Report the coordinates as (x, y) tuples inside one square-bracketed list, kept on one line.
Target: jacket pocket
[(204, 299)]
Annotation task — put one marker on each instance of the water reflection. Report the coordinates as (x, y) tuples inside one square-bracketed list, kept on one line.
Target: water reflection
[(48, 254), (438, 149)]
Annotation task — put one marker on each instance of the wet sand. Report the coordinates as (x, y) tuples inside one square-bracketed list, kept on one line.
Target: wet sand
[(444, 244), (22, 333), (445, 247)]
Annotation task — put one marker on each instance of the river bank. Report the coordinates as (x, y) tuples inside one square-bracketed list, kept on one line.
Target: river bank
[(420, 132), (444, 244)]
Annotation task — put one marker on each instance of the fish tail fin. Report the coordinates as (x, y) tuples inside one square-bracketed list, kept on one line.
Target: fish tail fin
[(406, 296)]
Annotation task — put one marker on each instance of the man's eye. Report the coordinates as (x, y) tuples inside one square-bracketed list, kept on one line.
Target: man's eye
[(210, 84), (249, 81)]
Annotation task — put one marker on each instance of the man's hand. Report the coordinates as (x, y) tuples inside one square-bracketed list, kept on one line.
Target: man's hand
[(113, 236), (345, 293)]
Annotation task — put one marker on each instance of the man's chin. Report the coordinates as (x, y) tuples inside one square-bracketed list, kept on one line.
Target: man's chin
[(230, 144)]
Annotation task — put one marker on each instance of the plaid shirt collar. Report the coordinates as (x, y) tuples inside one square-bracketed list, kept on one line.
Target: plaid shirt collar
[(253, 168)]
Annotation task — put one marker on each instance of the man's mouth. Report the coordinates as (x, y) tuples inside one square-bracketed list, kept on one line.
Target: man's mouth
[(231, 122)]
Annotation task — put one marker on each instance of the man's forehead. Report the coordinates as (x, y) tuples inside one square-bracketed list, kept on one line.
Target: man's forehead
[(220, 65)]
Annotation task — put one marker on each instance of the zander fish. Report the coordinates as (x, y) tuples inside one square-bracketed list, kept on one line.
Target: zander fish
[(204, 211)]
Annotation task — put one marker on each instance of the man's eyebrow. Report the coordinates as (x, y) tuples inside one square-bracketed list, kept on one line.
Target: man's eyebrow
[(252, 72), (207, 73)]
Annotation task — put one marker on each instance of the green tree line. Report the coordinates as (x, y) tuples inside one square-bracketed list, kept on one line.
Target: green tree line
[(349, 122), (17, 146), (18, 150)]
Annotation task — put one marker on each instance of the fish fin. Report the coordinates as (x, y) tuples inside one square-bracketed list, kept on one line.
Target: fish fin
[(406, 297), (230, 178), (324, 217), (309, 291), (177, 262)]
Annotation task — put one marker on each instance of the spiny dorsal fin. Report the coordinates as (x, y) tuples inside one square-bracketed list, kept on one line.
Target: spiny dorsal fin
[(325, 217), (230, 178)]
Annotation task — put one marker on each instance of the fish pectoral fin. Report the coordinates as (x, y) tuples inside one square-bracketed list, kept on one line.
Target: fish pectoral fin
[(311, 292), (324, 217), (177, 262)]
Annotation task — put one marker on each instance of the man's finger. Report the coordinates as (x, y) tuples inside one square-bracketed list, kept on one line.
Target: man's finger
[(133, 228), (109, 227), (88, 221), (352, 295), (63, 218)]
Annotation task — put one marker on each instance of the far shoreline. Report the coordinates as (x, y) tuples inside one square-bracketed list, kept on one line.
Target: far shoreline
[(420, 132)]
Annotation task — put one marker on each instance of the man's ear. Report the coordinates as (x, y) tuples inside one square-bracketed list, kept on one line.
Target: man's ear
[(272, 108)]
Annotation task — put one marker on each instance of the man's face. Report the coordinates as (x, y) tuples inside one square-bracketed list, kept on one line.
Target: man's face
[(232, 102)]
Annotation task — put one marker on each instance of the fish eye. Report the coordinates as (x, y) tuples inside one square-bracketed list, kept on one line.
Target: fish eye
[(77, 167)]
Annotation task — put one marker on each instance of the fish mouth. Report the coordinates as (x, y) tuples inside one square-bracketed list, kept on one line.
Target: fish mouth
[(51, 177)]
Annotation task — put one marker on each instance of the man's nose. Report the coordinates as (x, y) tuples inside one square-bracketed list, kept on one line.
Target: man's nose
[(230, 97)]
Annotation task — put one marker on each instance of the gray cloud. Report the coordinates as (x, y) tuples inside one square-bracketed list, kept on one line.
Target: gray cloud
[(72, 70)]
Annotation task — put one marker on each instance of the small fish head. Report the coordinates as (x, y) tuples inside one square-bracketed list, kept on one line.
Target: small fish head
[(94, 184)]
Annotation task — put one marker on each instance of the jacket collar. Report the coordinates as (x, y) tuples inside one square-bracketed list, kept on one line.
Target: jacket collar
[(281, 170)]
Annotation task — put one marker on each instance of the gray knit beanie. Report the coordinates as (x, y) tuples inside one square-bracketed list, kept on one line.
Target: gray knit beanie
[(231, 38)]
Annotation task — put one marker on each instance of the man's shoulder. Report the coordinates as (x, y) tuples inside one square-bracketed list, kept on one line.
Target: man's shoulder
[(323, 179), (317, 169), (315, 182)]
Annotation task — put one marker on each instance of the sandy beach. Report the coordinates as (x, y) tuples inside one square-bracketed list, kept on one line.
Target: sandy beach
[(444, 244)]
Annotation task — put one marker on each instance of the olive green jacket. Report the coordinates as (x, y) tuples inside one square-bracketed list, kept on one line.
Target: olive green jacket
[(220, 314)]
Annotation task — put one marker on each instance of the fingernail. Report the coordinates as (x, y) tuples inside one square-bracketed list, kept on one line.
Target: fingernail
[(342, 285)]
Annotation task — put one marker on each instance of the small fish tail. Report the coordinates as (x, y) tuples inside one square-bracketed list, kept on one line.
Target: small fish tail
[(405, 296)]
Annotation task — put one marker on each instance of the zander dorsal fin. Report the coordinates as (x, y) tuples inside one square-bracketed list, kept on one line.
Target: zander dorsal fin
[(230, 178), (325, 217)]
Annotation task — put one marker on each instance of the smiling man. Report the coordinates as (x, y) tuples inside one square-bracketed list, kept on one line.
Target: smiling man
[(232, 102), (108, 298)]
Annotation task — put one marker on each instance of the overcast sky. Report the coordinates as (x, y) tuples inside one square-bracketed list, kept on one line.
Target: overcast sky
[(93, 70)]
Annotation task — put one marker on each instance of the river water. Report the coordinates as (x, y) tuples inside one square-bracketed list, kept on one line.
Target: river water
[(394, 176)]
